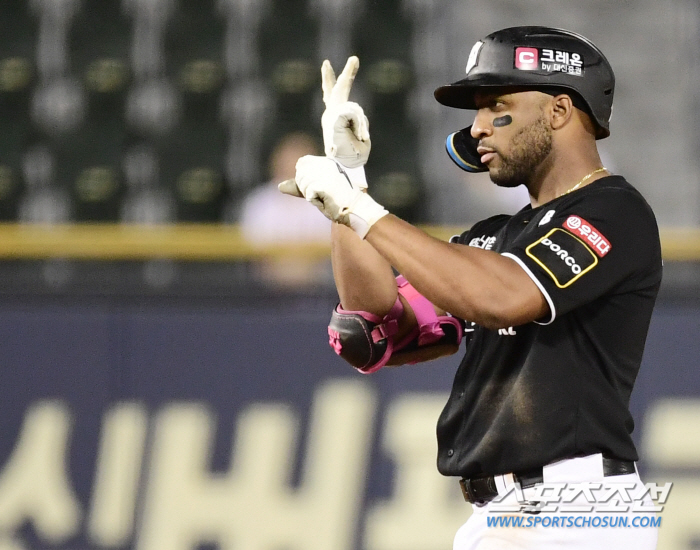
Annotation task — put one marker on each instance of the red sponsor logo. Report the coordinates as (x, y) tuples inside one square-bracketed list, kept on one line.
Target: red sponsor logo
[(526, 59), (590, 235)]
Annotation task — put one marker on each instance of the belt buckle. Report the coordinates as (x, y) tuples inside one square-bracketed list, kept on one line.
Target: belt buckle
[(467, 492)]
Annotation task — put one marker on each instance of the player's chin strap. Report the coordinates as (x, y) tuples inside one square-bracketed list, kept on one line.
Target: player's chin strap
[(461, 147), (366, 341)]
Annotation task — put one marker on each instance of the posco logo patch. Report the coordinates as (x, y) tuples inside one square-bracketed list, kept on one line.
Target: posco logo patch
[(563, 256)]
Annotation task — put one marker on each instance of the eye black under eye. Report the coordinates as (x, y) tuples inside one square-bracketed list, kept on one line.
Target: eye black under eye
[(501, 121)]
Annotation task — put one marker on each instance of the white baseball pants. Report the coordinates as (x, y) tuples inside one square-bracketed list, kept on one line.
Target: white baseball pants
[(564, 528)]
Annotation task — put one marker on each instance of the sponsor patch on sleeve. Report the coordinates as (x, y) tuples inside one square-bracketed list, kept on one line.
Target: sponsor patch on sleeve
[(594, 238), (563, 256)]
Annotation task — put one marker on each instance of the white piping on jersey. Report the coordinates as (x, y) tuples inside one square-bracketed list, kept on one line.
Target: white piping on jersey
[(539, 285)]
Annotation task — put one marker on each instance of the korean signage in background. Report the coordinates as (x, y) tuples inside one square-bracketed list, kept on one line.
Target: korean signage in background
[(169, 429), (166, 428)]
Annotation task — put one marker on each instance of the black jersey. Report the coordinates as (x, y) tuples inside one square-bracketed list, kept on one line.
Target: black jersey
[(557, 388)]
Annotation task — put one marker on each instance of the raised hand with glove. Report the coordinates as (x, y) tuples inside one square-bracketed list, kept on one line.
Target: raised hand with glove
[(344, 124)]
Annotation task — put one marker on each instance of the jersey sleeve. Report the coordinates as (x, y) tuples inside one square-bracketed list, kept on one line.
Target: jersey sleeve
[(471, 236), (605, 241)]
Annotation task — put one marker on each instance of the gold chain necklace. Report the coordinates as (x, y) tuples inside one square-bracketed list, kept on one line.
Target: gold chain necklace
[(584, 179)]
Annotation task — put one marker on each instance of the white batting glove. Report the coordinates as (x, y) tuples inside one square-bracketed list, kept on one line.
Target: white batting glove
[(325, 184), (344, 124)]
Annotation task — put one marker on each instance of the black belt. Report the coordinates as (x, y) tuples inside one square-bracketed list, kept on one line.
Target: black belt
[(480, 490)]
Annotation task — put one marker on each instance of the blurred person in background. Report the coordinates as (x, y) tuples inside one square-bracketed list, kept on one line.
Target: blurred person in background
[(267, 218)]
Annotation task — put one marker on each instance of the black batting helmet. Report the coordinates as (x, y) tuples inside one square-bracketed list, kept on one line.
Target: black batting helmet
[(538, 58)]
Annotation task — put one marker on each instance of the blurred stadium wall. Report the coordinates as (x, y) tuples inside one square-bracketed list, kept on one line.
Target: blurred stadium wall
[(166, 380)]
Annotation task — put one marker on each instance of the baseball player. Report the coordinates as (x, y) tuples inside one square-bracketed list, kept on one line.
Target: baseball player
[(554, 302)]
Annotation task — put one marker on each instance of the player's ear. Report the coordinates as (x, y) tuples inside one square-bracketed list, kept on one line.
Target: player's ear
[(562, 109)]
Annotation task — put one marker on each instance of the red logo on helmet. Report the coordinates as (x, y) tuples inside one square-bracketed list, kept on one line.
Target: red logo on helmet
[(526, 59)]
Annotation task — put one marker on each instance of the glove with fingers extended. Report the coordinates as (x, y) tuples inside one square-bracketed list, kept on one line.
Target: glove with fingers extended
[(325, 184), (344, 124)]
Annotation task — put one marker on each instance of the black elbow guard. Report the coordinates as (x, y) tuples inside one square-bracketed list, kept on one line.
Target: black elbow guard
[(366, 341), (363, 339)]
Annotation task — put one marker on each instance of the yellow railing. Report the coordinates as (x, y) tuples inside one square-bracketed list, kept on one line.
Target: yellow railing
[(202, 242)]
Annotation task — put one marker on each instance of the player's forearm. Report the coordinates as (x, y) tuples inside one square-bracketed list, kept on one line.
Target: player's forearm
[(365, 280), (470, 283)]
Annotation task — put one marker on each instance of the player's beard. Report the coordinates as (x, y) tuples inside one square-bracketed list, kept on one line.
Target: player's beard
[(528, 150)]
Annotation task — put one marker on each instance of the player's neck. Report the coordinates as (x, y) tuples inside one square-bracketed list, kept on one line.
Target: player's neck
[(565, 176)]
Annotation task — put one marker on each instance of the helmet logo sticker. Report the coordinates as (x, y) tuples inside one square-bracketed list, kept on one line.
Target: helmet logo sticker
[(557, 61), (548, 60), (527, 59), (474, 56)]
